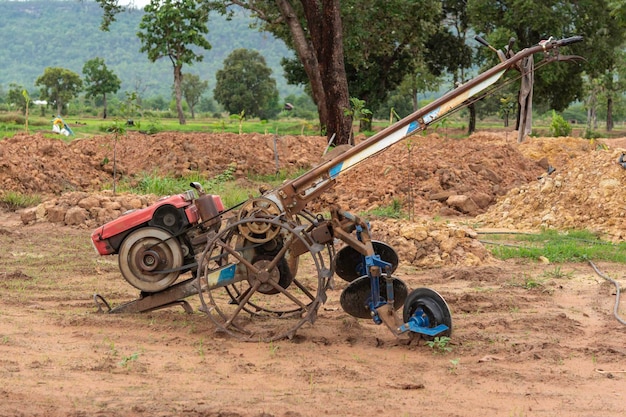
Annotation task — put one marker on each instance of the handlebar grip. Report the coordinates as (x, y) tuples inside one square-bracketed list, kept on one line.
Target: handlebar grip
[(572, 39), (482, 41)]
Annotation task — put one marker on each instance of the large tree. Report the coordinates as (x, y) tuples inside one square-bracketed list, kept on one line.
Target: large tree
[(100, 80), (245, 84), (15, 97), (58, 86), (315, 31), (171, 28)]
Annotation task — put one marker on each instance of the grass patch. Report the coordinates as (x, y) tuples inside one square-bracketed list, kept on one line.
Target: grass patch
[(391, 211), (558, 247), (13, 200), (223, 184)]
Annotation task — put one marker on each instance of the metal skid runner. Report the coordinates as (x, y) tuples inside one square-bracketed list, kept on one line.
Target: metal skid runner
[(262, 268)]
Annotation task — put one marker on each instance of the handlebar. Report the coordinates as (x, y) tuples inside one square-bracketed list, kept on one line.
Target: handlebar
[(571, 39)]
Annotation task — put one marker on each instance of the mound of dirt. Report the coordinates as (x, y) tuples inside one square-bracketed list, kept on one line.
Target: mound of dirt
[(36, 164), (487, 176), (586, 191)]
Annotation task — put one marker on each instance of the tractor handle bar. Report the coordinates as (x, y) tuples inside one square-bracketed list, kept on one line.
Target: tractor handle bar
[(293, 195)]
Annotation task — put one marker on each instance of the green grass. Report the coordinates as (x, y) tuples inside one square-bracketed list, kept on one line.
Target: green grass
[(391, 211), (557, 246), (87, 126), (223, 185), (14, 200)]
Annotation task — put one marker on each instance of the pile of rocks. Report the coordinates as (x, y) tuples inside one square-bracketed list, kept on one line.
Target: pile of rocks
[(85, 210), (429, 244), (586, 192)]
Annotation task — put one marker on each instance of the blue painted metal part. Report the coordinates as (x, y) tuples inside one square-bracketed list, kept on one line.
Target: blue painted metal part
[(335, 171), (419, 323), (375, 300), (227, 274), (413, 126)]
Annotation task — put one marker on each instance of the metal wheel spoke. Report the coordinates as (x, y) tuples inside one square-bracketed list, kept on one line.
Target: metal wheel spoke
[(243, 302), (288, 295), (239, 257), (304, 289)]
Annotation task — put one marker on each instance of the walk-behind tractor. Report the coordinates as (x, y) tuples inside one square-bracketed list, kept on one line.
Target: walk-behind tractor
[(262, 268)]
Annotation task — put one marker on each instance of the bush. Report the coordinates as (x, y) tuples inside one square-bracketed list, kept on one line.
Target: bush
[(559, 126), (592, 134), (18, 119)]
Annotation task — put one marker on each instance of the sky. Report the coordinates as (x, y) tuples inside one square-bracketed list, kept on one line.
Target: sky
[(140, 4)]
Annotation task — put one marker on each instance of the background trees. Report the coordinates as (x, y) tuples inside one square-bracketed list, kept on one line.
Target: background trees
[(58, 86), (100, 80), (16, 98), (245, 84), (170, 28), (193, 88)]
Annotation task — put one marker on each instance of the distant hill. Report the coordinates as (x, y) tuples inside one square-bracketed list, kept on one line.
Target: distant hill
[(57, 33)]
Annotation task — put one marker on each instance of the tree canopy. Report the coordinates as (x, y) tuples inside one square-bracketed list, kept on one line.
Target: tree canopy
[(58, 86), (349, 43), (193, 88), (100, 80), (245, 85)]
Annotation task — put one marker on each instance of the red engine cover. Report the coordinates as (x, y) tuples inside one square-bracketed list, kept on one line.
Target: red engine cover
[(134, 218)]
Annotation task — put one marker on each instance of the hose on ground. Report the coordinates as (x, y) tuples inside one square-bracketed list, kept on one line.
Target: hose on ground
[(616, 308)]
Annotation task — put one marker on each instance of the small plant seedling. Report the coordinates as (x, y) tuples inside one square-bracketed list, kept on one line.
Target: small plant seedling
[(273, 349), (440, 344), (557, 272), (127, 359), (454, 365)]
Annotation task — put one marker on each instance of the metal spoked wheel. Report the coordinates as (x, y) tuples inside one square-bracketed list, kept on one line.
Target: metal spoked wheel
[(263, 299), (430, 306), (144, 253)]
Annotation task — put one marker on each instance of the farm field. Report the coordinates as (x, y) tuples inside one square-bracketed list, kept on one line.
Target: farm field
[(529, 338)]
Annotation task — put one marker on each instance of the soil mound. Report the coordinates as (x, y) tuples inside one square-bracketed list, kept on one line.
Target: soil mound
[(584, 191), (543, 182)]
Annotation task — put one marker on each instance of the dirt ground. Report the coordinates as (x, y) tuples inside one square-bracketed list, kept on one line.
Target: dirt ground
[(529, 339)]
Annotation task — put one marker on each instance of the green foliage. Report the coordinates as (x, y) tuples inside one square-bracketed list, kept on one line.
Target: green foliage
[(59, 85), (391, 211), (193, 88), (46, 45), (559, 126), (570, 246), (245, 84), (175, 29), (16, 99), (440, 344), (592, 134), (100, 80), (14, 200), (382, 45)]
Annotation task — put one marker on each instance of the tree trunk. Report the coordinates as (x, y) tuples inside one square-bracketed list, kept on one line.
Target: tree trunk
[(324, 20), (609, 114), (307, 57), (365, 125), (104, 101), (178, 81), (472, 119)]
